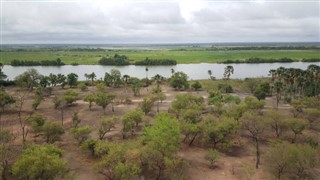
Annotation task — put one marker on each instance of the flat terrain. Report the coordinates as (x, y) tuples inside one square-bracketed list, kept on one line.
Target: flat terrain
[(193, 55), (238, 163)]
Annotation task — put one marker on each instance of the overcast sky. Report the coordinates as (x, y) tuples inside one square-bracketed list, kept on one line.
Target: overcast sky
[(180, 21)]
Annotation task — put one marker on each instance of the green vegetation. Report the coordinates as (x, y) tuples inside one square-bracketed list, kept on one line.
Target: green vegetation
[(283, 129), (56, 62), (117, 60), (152, 62), (40, 162), (180, 55)]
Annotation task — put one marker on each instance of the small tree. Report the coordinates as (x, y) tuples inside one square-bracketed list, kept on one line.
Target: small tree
[(106, 124), (136, 115), (212, 156), (196, 86), (5, 100), (146, 104), (90, 98), (70, 96), (52, 132), (72, 79), (296, 126), (82, 86), (75, 120), (135, 86), (292, 161), (81, 133), (40, 162), (220, 132), (37, 122), (179, 80), (128, 126), (277, 122), (120, 162), (60, 104), (161, 141), (255, 125), (103, 100), (36, 102), (6, 154)]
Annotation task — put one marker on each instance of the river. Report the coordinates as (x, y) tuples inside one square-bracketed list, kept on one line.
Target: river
[(194, 71)]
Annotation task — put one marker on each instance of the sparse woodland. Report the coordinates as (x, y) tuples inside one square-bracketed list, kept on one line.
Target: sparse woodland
[(122, 127)]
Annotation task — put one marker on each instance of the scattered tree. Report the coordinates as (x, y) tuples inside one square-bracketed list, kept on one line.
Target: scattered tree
[(40, 162)]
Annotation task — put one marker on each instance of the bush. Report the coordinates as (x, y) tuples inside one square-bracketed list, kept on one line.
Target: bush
[(81, 133), (196, 86), (212, 156), (52, 132), (225, 88), (219, 98), (82, 86)]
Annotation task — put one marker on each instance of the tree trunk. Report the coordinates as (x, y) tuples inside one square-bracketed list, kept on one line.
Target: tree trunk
[(158, 106), (61, 116), (4, 170), (257, 153), (194, 137)]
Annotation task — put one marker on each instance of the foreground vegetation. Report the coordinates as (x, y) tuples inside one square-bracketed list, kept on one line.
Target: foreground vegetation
[(179, 54), (121, 126)]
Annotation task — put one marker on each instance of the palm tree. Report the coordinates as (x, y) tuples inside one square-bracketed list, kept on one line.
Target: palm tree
[(210, 73), (228, 70), (172, 71), (147, 69), (278, 86), (125, 79)]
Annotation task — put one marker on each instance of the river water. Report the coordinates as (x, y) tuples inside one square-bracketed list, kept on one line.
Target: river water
[(194, 71)]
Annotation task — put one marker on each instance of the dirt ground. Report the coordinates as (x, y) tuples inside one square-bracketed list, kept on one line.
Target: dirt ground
[(237, 164)]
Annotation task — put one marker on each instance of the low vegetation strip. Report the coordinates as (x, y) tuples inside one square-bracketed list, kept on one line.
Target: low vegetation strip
[(56, 62), (262, 60), (152, 62)]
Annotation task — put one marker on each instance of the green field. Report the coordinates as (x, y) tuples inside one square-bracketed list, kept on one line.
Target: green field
[(188, 56)]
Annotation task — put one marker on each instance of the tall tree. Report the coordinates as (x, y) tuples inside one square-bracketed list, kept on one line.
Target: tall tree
[(72, 79), (104, 100), (29, 79), (255, 125), (228, 70)]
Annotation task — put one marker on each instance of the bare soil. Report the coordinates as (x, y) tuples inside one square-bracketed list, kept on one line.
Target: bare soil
[(236, 164)]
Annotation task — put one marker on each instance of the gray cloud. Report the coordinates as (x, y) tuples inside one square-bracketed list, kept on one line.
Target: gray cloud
[(159, 22)]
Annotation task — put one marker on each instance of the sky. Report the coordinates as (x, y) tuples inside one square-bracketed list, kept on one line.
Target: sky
[(158, 21)]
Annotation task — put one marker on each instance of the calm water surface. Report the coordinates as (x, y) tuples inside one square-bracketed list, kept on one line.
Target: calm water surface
[(194, 71)]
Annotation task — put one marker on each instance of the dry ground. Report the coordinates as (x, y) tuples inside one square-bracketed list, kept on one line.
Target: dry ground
[(236, 164)]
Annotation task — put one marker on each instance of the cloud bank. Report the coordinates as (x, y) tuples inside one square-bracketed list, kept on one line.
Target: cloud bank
[(183, 21)]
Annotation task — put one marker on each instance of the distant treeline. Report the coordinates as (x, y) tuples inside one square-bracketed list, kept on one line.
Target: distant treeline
[(116, 60), (311, 60), (264, 60), (265, 48), (152, 62), (87, 49), (56, 62)]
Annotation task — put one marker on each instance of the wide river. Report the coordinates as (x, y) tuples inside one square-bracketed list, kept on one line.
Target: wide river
[(194, 71)]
